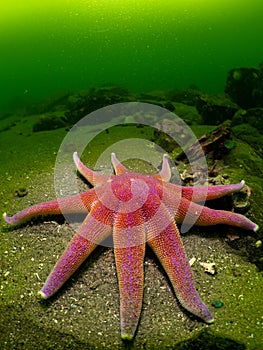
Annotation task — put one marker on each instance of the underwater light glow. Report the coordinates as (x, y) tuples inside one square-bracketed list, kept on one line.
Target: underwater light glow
[(99, 16), (71, 44), (20, 11)]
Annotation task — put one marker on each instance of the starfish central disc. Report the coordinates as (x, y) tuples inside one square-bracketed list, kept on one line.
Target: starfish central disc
[(126, 194), (131, 193)]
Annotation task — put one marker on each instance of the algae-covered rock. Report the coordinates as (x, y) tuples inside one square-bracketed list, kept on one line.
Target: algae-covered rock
[(54, 102), (189, 114), (245, 87), (252, 116), (250, 135), (215, 108), (48, 122), (93, 99), (186, 96)]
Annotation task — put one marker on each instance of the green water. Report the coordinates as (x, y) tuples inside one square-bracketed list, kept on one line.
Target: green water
[(55, 46)]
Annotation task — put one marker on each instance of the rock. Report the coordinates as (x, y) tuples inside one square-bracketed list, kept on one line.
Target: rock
[(245, 87), (93, 99), (241, 202), (74, 101), (169, 105), (189, 114), (155, 95), (215, 108), (49, 122), (54, 102), (250, 135), (252, 116), (186, 96)]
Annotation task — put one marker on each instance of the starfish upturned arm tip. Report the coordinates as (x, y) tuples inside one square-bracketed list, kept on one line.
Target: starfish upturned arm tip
[(13, 220), (119, 168), (92, 176), (165, 172)]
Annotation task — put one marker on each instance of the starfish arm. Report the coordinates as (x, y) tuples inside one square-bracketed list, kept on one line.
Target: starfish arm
[(92, 176), (90, 233), (203, 216), (118, 167), (129, 264), (170, 251), (165, 173), (202, 193), (129, 250), (24, 215), (68, 205)]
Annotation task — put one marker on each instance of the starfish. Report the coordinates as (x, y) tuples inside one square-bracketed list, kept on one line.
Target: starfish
[(136, 209)]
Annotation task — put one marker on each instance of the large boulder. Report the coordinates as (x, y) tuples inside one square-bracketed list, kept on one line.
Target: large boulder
[(93, 99), (215, 108), (252, 116), (186, 96), (245, 87), (48, 122), (252, 136)]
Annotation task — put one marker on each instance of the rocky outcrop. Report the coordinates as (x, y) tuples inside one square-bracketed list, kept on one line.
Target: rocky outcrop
[(215, 108), (252, 116), (244, 86)]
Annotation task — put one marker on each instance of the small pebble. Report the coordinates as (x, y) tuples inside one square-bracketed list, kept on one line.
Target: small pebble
[(258, 243), (192, 261)]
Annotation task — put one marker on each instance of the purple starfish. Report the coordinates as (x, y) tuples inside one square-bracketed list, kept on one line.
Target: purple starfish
[(136, 209)]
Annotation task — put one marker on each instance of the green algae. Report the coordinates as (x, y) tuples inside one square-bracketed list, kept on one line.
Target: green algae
[(250, 135)]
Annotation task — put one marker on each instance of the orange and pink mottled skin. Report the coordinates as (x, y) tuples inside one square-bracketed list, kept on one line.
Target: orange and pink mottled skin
[(135, 209)]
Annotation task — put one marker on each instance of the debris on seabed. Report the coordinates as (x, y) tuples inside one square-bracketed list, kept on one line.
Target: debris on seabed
[(209, 267)]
